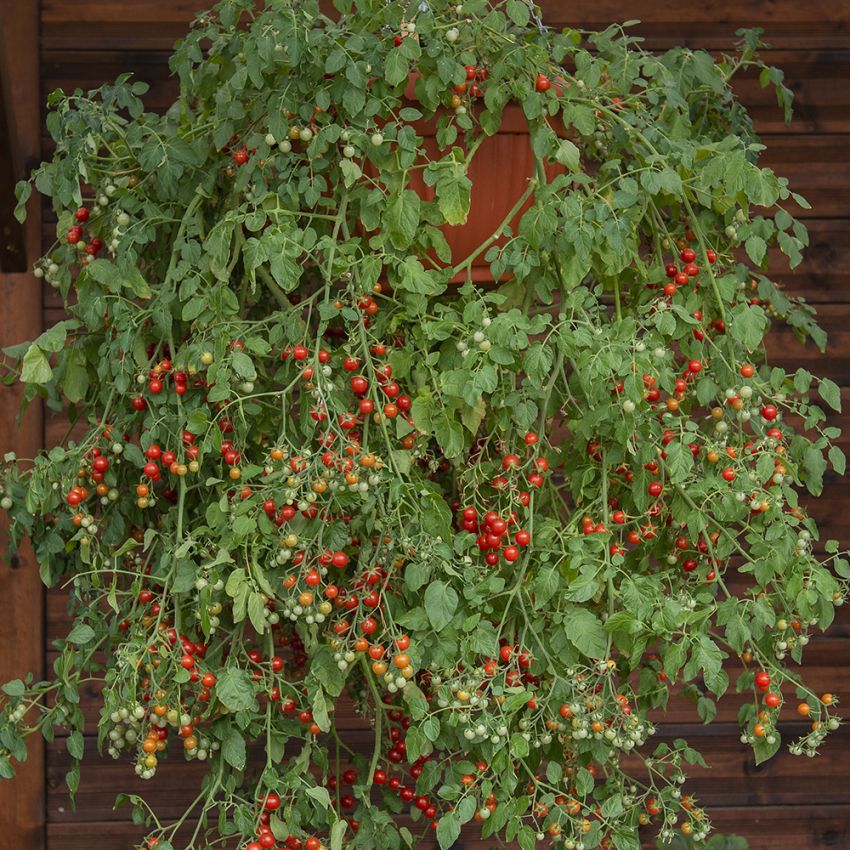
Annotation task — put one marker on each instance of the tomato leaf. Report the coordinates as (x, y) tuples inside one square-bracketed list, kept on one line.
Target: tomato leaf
[(36, 368), (441, 602)]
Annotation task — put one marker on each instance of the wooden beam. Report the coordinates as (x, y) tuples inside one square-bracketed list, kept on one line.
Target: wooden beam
[(12, 248), (22, 800)]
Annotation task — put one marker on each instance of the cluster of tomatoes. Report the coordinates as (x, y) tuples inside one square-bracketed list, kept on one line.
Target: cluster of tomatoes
[(76, 233), (473, 87), (156, 380), (679, 277), (494, 537), (393, 778)]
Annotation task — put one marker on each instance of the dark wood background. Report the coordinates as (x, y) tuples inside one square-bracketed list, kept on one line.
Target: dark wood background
[(789, 802)]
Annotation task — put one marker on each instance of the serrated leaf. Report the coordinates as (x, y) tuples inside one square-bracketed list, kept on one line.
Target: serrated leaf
[(756, 248), (15, 688), (401, 218), (233, 748), (235, 690), (453, 194), (448, 830), (81, 634), (320, 795), (396, 67), (440, 604), (243, 365), (585, 632), (568, 155), (837, 459), (36, 368), (830, 393), (256, 613)]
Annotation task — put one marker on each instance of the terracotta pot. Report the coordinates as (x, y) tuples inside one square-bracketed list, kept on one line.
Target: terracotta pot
[(499, 171)]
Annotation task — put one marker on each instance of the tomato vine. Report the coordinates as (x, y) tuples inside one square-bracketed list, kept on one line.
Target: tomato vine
[(317, 465)]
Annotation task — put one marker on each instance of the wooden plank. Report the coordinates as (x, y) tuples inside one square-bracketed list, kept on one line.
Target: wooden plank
[(784, 349), (21, 627), (785, 21), (12, 247), (581, 13), (784, 780), (766, 827)]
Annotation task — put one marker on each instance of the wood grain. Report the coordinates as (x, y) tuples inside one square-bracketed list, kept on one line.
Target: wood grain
[(22, 623)]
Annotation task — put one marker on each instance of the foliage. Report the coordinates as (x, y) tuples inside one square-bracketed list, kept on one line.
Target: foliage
[(315, 464)]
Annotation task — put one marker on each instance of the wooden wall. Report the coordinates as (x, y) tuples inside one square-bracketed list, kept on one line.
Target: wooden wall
[(788, 802)]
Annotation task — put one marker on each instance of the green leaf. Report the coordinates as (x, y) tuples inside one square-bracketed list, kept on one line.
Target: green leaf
[(814, 465), (36, 368), (15, 688), (453, 194), (81, 634), (415, 700), (414, 278), (53, 339), (135, 282), (75, 744), (233, 748), (706, 709), (518, 12), (764, 749), (837, 459), (235, 689), (830, 393), (568, 155), (396, 67), (243, 365), (23, 190), (585, 632), (538, 362), (337, 831), (320, 710), (756, 248), (484, 639), (679, 463), (748, 325), (448, 830), (545, 584), (75, 382), (351, 172), (519, 746), (256, 613), (401, 218), (320, 795), (105, 273), (440, 604), (449, 435)]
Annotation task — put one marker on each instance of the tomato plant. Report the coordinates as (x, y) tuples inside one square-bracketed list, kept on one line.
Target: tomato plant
[(317, 464)]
